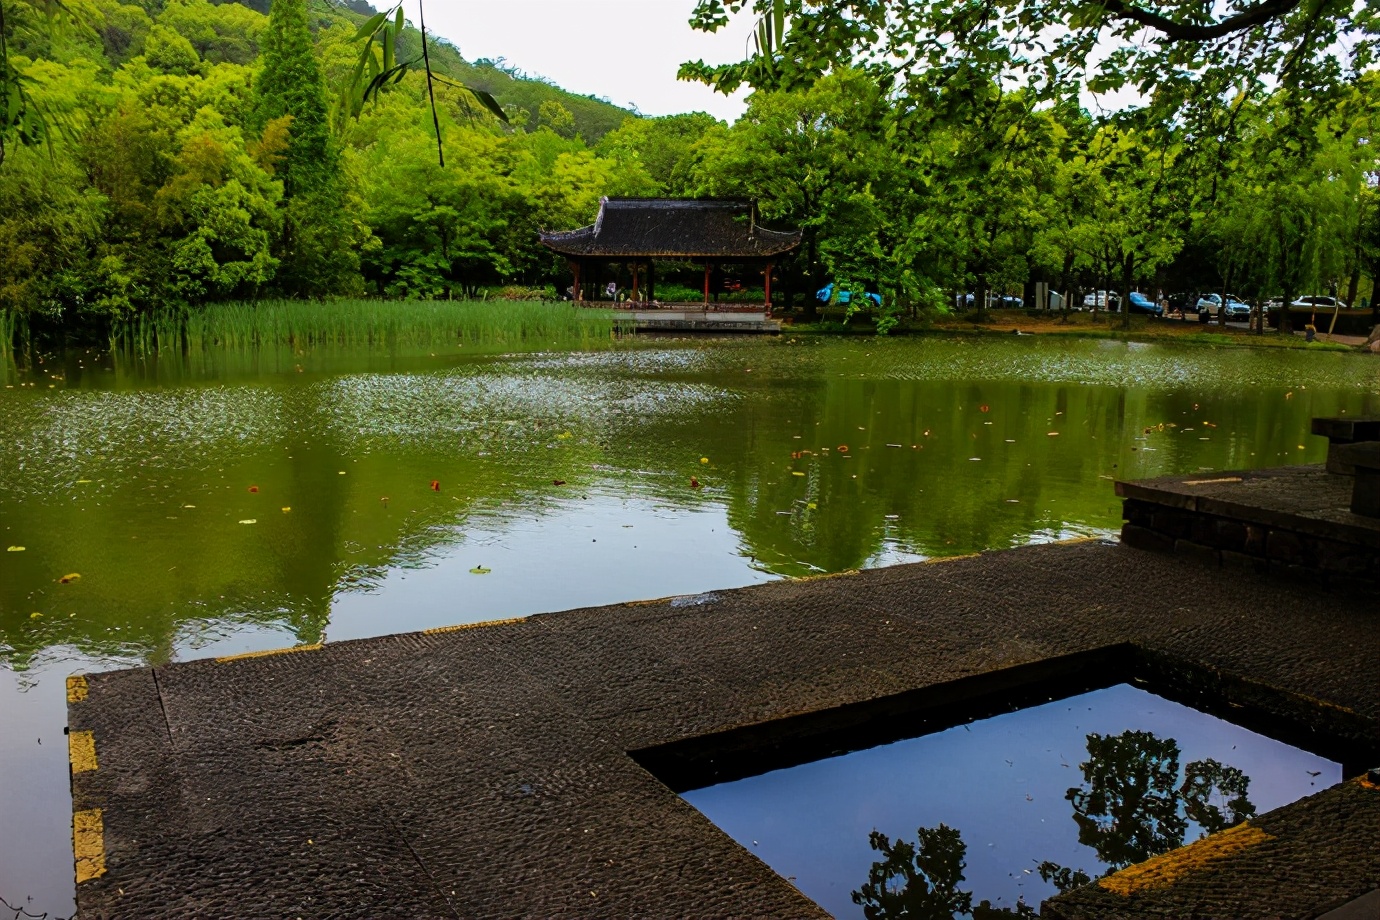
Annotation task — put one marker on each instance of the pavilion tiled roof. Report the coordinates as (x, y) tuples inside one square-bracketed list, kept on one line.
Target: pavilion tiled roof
[(674, 228)]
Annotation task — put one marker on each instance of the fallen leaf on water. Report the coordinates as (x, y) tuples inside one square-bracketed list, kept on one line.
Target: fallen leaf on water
[(704, 459), (250, 521), (1288, 395), (340, 473), (15, 549), (34, 616), (984, 408), (286, 509), (842, 448), (1054, 434), (480, 570), (435, 485), (694, 483), (82, 482), (558, 482), (189, 506), (796, 473), (253, 488), (68, 579)]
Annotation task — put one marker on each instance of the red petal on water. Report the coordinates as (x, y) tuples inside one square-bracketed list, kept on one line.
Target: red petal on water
[(435, 485), (253, 488), (984, 408)]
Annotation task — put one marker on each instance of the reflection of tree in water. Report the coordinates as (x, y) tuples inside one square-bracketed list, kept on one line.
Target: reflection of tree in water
[(1132, 806), (920, 881)]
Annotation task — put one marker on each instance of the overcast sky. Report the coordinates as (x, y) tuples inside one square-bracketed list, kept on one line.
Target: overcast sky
[(625, 50)]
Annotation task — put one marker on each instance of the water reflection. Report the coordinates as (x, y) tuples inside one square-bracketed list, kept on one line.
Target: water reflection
[(920, 881), (1132, 805), (1010, 784)]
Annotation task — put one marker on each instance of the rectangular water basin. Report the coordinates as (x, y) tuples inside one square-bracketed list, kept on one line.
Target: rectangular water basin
[(1023, 800)]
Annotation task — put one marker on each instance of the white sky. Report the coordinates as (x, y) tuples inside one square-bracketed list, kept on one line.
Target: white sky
[(625, 50)]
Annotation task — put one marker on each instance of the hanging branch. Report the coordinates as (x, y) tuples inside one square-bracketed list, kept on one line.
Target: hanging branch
[(378, 66)]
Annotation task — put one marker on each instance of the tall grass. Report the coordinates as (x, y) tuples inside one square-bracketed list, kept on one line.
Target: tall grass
[(371, 324)]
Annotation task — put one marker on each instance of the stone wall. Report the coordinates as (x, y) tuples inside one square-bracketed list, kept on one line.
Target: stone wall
[(1227, 542)]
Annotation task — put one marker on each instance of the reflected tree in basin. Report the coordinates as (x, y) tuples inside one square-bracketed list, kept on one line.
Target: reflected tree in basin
[(920, 881), (1132, 804)]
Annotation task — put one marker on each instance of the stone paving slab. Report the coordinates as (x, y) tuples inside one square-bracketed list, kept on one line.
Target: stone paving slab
[(1307, 499), (486, 771)]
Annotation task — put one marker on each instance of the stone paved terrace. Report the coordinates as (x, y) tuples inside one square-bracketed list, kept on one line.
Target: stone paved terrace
[(1295, 521), (485, 771)]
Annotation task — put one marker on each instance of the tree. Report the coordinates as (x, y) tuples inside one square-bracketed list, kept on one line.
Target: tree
[(1053, 47), (315, 244), (664, 146)]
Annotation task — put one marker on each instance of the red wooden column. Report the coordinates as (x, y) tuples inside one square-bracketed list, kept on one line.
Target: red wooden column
[(766, 277), (634, 274), (579, 293), (706, 283)]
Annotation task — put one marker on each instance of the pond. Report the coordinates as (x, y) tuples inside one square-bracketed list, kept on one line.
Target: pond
[(229, 503)]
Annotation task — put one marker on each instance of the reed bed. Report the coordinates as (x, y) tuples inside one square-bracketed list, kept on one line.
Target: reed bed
[(413, 325)]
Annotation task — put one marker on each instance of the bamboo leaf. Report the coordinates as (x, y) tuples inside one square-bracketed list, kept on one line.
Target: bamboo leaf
[(372, 24)]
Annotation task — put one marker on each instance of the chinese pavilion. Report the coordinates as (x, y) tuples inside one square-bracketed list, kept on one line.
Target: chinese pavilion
[(639, 231)]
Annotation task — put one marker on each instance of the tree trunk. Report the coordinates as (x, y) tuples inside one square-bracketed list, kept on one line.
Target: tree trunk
[(1128, 269), (1353, 284)]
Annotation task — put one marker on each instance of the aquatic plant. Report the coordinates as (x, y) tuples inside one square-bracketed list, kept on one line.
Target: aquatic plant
[(374, 324)]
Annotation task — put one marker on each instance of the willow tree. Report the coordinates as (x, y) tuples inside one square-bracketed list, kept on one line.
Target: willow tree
[(292, 118)]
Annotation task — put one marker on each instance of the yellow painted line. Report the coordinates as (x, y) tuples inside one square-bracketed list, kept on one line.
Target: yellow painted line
[(460, 626), (653, 601), (938, 559), (273, 651), (76, 688), (81, 751), (845, 574), (1164, 871), (88, 844)]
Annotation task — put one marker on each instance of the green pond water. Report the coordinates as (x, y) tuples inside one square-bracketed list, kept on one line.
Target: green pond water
[(231, 503)]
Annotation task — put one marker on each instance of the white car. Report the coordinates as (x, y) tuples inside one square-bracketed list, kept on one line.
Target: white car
[(1101, 299), (1315, 301), (1211, 304)]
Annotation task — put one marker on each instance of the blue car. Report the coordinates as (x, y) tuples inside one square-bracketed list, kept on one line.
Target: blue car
[(826, 294), (1139, 303)]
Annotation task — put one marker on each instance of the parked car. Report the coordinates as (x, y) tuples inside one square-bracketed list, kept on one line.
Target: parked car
[(1104, 300), (1237, 309), (996, 301), (1136, 302), (826, 294), (1317, 302), (1209, 304)]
